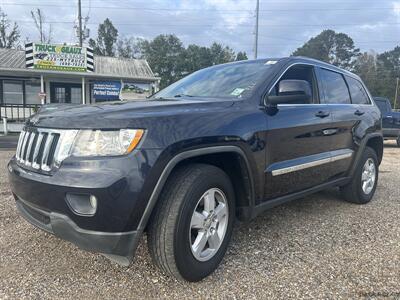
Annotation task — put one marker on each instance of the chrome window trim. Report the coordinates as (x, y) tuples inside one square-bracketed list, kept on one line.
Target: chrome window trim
[(372, 103), (311, 164)]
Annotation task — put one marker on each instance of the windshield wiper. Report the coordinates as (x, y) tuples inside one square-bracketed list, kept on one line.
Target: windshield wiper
[(182, 95)]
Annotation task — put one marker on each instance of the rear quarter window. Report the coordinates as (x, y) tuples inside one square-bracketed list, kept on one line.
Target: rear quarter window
[(357, 91), (335, 89)]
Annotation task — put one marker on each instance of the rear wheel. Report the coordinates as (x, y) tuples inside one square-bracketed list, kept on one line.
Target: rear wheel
[(192, 225), (362, 187)]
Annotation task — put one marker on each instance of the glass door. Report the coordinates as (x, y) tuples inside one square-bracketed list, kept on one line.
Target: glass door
[(65, 93)]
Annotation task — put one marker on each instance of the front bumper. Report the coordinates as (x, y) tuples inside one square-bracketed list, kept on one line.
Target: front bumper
[(119, 247), (117, 183)]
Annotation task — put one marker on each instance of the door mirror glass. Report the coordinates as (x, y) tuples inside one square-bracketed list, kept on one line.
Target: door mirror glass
[(291, 91)]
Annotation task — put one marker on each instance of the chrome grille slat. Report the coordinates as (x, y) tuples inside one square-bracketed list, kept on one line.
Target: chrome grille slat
[(35, 164), (44, 164), (37, 147), (24, 145), (29, 149), (21, 137)]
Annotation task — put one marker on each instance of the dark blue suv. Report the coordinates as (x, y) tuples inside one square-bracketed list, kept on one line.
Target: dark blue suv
[(224, 143)]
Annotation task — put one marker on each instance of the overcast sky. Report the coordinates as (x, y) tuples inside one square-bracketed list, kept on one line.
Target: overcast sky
[(284, 25)]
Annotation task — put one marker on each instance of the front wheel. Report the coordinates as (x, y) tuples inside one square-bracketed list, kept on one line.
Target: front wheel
[(192, 225), (362, 187)]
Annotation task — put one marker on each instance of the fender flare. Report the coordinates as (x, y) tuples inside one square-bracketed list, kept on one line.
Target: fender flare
[(360, 151), (174, 162)]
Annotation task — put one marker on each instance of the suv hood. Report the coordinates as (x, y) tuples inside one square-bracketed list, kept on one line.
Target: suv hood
[(121, 114)]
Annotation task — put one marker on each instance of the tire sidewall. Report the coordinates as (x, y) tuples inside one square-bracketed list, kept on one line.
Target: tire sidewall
[(369, 153), (189, 267)]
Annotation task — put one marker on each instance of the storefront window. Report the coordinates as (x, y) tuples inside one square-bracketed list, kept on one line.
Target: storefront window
[(13, 92), (32, 91), (76, 95)]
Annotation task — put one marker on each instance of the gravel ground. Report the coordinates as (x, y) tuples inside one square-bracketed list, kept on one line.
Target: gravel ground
[(317, 247)]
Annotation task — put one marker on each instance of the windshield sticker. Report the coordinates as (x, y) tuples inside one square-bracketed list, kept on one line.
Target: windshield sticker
[(237, 92), (271, 62)]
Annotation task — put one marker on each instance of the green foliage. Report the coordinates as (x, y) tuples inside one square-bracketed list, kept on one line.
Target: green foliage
[(128, 47), (241, 56), (9, 33), (379, 72), (165, 54), (107, 36), (171, 61), (335, 48)]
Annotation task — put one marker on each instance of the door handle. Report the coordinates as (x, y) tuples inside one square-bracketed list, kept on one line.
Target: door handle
[(322, 114), (359, 112)]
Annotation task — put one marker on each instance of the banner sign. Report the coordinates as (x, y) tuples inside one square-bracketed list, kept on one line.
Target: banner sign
[(135, 90), (58, 57), (106, 90)]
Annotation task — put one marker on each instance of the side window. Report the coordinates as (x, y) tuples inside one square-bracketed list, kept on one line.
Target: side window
[(357, 91), (382, 106), (299, 72), (334, 88)]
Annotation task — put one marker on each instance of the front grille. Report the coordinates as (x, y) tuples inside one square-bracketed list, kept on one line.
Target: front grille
[(36, 148)]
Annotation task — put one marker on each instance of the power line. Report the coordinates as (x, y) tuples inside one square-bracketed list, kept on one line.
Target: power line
[(238, 25), (198, 9)]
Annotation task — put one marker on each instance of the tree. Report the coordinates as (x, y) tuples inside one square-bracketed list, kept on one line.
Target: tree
[(335, 48), (128, 47), (366, 67), (221, 54), (196, 58), (9, 33), (39, 18), (165, 55), (107, 36), (388, 69), (241, 56)]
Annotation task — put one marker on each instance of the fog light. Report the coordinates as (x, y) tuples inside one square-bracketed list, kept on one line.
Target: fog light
[(81, 204), (93, 202)]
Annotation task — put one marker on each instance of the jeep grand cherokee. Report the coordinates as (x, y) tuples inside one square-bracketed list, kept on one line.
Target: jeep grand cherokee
[(224, 143)]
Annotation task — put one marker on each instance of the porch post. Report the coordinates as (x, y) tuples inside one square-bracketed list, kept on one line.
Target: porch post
[(42, 89), (83, 91)]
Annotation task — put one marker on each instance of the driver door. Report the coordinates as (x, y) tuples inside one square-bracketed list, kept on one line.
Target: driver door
[(298, 140)]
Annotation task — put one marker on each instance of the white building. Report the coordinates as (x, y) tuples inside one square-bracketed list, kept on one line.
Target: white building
[(25, 86)]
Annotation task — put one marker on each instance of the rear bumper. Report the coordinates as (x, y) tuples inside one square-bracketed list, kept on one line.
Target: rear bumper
[(119, 247)]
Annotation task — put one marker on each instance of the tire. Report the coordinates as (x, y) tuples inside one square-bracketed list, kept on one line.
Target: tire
[(398, 141), (173, 231), (354, 191)]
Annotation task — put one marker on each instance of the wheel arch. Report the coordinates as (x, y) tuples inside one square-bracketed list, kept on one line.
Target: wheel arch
[(244, 190), (373, 140)]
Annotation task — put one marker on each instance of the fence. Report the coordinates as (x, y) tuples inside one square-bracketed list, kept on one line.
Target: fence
[(18, 112)]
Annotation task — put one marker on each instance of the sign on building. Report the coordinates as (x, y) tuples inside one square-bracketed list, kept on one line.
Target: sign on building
[(59, 57), (106, 90)]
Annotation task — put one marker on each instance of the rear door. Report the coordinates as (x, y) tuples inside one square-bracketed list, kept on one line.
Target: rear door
[(298, 140), (346, 117)]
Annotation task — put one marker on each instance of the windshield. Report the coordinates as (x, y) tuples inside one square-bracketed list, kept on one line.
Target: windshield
[(224, 81)]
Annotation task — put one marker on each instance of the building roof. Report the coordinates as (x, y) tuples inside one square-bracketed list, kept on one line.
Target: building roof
[(104, 66)]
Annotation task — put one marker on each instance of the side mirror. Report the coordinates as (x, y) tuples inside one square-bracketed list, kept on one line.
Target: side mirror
[(291, 91)]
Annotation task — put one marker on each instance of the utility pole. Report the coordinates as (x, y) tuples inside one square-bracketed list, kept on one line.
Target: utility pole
[(256, 30), (397, 91), (80, 23)]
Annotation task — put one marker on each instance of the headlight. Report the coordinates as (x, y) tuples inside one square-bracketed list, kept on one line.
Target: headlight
[(106, 142)]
